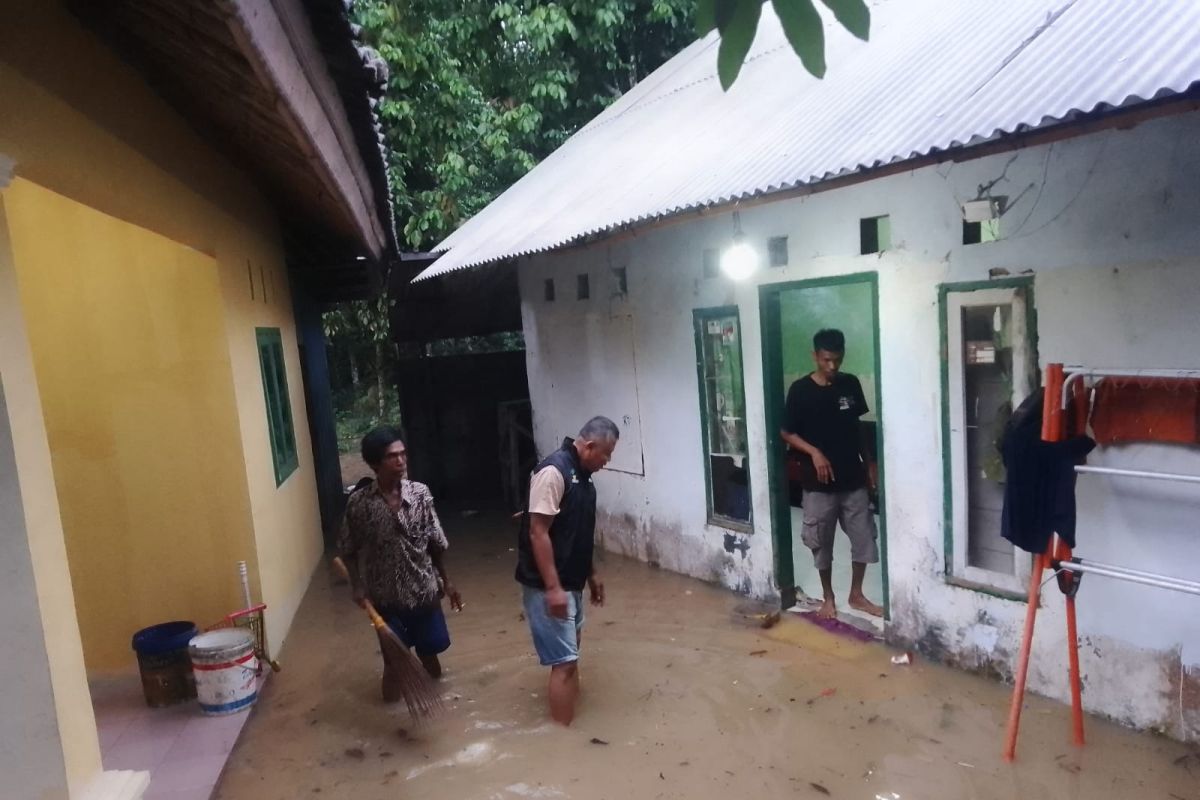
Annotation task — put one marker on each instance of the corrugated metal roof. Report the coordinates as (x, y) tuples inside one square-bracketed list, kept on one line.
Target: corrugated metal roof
[(937, 74)]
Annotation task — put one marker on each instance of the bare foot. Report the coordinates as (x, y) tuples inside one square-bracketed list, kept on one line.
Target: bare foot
[(827, 610), (861, 603)]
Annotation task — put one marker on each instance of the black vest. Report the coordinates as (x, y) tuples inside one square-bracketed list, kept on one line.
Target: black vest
[(572, 534)]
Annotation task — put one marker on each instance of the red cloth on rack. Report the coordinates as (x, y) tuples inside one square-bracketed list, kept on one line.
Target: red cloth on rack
[(1147, 410)]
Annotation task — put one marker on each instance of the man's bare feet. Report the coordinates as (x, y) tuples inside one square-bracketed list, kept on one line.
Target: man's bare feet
[(827, 610), (861, 603)]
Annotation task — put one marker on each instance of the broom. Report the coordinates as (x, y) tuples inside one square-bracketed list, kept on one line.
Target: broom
[(414, 684)]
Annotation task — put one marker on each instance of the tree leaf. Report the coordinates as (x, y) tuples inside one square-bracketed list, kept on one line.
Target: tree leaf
[(736, 38), (718, 14), (706, 16), (854, 16), (805, 32)]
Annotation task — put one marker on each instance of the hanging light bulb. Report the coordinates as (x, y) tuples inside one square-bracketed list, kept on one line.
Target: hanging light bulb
[(739, 261)]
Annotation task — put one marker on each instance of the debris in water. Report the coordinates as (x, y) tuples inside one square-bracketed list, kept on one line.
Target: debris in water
[(385, 754), (598, 741), (818, 787), (830, 692), (758, 652), (965, 764), (770, 620), (356, 752), (904, 659), (663, 777)]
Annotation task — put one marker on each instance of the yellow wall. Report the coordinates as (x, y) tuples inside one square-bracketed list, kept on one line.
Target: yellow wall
[(43, 525), (90, 130), (128, 339)]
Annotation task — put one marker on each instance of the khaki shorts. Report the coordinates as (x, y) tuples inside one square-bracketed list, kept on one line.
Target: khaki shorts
[(822, 513)]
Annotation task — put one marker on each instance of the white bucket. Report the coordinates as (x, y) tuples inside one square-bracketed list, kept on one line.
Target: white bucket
[(226, 670)]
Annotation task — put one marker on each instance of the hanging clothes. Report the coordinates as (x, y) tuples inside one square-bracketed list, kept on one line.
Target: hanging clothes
[(1147, 410), (1039, 492)]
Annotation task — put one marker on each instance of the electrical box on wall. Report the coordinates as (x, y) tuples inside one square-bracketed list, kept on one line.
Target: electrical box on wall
[(980, 210)]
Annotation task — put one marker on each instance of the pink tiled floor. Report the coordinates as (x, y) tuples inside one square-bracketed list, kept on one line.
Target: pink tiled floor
[(183, 750)]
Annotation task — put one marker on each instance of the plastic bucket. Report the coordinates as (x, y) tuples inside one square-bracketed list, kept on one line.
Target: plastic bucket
[(226, 670), (162, 654)]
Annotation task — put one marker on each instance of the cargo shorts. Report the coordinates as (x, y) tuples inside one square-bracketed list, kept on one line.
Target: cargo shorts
[(822, 513)]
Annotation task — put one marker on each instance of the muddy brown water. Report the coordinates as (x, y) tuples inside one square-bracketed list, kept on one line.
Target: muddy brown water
[(685, 696)]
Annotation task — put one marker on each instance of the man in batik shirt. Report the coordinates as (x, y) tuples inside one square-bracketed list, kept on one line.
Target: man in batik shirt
[(394, 549)]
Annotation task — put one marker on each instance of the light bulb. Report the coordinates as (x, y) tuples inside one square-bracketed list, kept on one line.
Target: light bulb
[(739, 261)]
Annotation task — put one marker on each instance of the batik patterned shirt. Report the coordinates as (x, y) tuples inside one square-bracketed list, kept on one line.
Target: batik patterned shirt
[(393, 547)]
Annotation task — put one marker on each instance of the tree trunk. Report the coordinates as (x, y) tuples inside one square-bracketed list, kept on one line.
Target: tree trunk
[(380, 382), (353, 366)]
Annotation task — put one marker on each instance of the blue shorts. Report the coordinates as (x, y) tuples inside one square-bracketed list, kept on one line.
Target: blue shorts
[(424, 630), (556, 640)]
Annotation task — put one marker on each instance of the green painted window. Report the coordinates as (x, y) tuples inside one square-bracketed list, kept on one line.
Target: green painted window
[(723, 414), (279, 409)]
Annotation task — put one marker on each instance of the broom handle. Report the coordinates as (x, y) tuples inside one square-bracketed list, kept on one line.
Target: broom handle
[(244, 574), (376, 620)]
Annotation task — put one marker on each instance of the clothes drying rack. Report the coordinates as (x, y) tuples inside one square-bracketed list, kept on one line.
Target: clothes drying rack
[(1066, 386)]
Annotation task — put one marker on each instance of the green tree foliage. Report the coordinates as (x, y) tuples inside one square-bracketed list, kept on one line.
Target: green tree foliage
[(481, 90)]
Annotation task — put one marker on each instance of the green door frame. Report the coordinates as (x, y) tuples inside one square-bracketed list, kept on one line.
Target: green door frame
[(772, 363)]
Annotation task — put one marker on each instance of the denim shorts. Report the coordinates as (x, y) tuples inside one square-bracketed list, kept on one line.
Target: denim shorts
[(424, 629), (556, 640)]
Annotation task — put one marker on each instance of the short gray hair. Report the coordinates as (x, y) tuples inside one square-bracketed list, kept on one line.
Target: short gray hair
[(600, 429)]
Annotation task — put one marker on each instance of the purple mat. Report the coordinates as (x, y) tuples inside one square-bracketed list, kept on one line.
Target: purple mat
[(837, 627)]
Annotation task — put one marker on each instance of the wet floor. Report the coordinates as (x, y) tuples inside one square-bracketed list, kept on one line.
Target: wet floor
[(685, 696)]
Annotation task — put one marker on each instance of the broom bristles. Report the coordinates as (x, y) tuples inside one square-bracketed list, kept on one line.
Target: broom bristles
[(410, 679), (416, 688)]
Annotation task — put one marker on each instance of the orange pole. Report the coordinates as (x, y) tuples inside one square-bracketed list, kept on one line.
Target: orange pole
[(1018, 695), (1063, 553), (1052, 404), (1076, 688)]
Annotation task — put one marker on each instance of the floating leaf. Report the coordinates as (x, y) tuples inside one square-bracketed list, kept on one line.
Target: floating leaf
[(853, 14), (736, 38), (805, 32), (706, 16)]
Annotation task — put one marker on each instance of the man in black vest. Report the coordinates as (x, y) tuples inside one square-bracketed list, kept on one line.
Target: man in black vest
[(554, 556)]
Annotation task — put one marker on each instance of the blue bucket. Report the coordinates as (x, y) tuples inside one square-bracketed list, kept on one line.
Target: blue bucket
[(162, 654)]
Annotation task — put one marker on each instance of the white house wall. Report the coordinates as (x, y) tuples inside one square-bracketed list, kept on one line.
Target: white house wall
[(1106, 224)]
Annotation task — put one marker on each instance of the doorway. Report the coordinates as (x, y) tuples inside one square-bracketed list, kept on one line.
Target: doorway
[(791, 313)]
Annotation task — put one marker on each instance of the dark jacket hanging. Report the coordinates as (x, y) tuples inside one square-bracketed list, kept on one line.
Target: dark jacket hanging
[(1039, 492)]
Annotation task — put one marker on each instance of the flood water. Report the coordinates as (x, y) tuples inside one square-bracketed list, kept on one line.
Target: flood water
[(685, 695)]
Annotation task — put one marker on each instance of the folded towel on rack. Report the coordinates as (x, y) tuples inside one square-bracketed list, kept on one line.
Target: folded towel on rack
[(1039, 489), (1147, 410)]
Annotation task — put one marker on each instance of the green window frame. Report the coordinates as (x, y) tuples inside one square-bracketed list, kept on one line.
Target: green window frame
[(721, 383), (279, 408)]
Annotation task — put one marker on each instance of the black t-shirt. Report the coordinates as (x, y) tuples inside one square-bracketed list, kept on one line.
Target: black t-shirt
[(827, 418)]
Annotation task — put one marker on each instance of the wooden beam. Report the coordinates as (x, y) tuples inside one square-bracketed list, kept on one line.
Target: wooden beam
[(279, 44)]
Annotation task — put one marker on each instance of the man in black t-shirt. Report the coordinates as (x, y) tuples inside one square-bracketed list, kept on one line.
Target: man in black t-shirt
[(821, 424)]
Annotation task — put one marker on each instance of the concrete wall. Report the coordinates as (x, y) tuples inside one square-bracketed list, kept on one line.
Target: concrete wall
[(127, 332), (32, 525), (1106, 226), (91, 130), (34, 758)]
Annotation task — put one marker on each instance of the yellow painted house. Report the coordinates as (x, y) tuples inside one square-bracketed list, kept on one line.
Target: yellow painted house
[(183, 185)]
